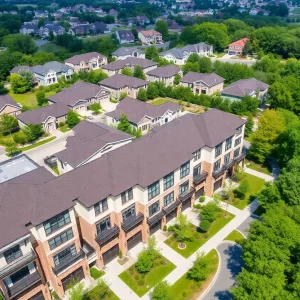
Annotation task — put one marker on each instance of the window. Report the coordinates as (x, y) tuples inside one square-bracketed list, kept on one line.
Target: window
[(168, 199), (153, 190), (197, 155), (128, 213), (144, 127), (154, 208), (57, 222), (60, 239), (237, 152), (12, 254), (100, 207), (228, 143), (103, 225), (218, 150), (126, 196), (168, 181), (239, 130), (196, 170), (63, 255), (237, 141), (185, 170), (227, 159), (184, 187), (217, 165), (19, 275)]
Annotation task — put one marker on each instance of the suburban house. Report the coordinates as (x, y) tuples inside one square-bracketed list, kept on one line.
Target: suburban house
[(45, 30), (179, 56), (29, 29), (125, 36), (117, 66), (150, 37), (100, 27), (80, 96), (202, 83), (125, 52), (48, 116), (251, 87), (174, 27), (237, 47), (50, 72), (143, 116), (118, 84), (164, 74), (87, 61), (90, 141), (64, 225), (18, 69), (9, 106)]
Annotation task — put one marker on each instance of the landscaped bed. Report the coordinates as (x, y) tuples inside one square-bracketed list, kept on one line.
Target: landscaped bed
[(95, 273), (235, 236), (141, 283), (187, 288), (100, 291), (263, 168)]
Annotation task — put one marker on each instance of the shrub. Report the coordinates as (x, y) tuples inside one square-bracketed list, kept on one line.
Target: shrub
[(161, 291), (72, 119), (200, 270), (243, 189), (20, 138), (209, 212), (120, 254), (202, 199), (171, 228), (61, 124), (100, 291), (197, 206), (165, 228), (204, 225), (144, 262), (140, 281), (131, 270), (95, 273)]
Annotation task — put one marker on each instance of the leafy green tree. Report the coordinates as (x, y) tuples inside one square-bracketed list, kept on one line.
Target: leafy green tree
[(249, 125), (127, 72), (124, 124), (33, 132), (95, 76), (205, 65), (8, 124), (200, 270), (135, 33), (107, 46), (152, 91), (41, 97), (177, 78), (19, 84), (142, 95), (280, 96), (191, 67), (161, 291), (144, 262), (77, 292), (96, 108), (11, 149), (72, 119), (162, 27), (243, 188), (234, 25), (183, 229), (20, 43), (151, 53), (209, 212), (3, 90), (138, 72)]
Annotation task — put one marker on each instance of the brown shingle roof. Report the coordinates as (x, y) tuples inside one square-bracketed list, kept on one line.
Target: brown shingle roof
[(120, 81), (210, 79), (86, 57), (150, 33), (129, 62), (166, 71)]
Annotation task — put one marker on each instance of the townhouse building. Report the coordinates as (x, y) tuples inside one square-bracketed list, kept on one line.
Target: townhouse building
[(148, 37), (85, 217), (164, 74)]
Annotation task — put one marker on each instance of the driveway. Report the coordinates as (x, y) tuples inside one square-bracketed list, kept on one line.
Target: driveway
[(231, 266)]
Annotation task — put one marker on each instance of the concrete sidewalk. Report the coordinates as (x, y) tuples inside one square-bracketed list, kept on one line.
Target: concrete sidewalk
[(259, 174)]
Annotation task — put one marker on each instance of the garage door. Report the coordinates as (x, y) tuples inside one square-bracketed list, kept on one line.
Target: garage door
[(186, 204), (76, 276), (171, 215), (217, 184), (134, 240), (38, 296), (155, 227), (199, 193), (111, 254)]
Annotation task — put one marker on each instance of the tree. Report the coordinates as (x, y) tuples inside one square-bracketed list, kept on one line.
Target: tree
[(243, 188), (124, 124), (144, 262), (135, 33), (127, 71), (280, 96), (151, 53), (177, 78), (190, 67), (152, 91), (138, 72), (72, 119), (183, 229), (96, 108), (20, 43), (142, 95), (200, 269), (249, 125), (12, 149), (162, 27), (209, 212), (3, 90), (205, 65), (33, 132), (41, 97), (248, 49), (76, 292), (161, 291), (19, 84), (8, 124)]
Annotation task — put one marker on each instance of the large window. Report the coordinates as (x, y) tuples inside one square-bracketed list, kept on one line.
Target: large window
[(168, 199), (100, 207), (57, 222), (103, 225), (196, 170), (127, 196), (19, 275), (60, 239), (237, 152), (128, 213), (228, 143), (63, 255), (197, 155), (168, 181), (154, 208), (12, 254), (185, 170), (183, 188), (217, 165), (237, 141), (227, 159), (218, 150), (153, 190)]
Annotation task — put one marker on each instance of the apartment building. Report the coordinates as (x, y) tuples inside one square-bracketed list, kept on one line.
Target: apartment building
[(86, 216)]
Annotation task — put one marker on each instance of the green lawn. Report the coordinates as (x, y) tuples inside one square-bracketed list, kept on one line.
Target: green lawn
[(27, 99), (200, 238), (7, 139), (255, 186), (55, 169), (95, 38), (98, 290), (64, 128), (234, 236), (140, 283), (37, 144), (51, 47), (263, 168), (95, 273), (159, 102), (185, 288)]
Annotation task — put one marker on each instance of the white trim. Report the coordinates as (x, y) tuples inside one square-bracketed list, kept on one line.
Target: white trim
[(25, 237), (11, 105)]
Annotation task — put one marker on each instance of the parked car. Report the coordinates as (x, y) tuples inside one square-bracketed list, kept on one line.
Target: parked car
[(50, 161)]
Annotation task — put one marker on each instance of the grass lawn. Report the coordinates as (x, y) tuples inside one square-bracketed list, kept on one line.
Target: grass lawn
[(159, 102), (7, 139), (234, 236), (95, 38), (259, 211), (27, 99), (141, 284), (200, 238), (64, 128), (263, 168), (51, 47), (37, 144), (219, 55), (95, 273), (55, 169), (185, 288), (255, 186), (94, 293)]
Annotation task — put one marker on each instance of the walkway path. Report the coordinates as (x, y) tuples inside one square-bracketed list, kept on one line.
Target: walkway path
[(259, 174)]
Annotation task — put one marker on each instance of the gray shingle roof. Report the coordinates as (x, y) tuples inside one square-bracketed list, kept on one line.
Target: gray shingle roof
[(7, 99), (51, 65), (166, 71), (17, 69), (210, 79), (125, 35), (86, 57), (244, 87), (129, 62), (123, 51), (135, 110), (120, 81)]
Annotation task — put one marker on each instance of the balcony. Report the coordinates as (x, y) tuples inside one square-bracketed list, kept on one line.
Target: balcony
[(200, 177), (186, 195), (222, 170), (171, 207), (17, 264), (68, 261), (24, 284), (157, 217), (239, 158), (107, 235), (132, 222)]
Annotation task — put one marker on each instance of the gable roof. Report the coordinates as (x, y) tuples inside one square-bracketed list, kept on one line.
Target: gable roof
[(166, 71), (18, 69), (51, 65), (129, 62), (244, 87), (125, 34), (7, 100), (118, 81), (78, 91), (150, 33), (210, 79), (123, 51), (239, 43), (86, 57)]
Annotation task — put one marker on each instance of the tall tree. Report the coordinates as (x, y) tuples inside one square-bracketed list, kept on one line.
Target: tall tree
[(72, 119), (20, 43), (8, 124), (124, 124), (162, 27), (138, 72)]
